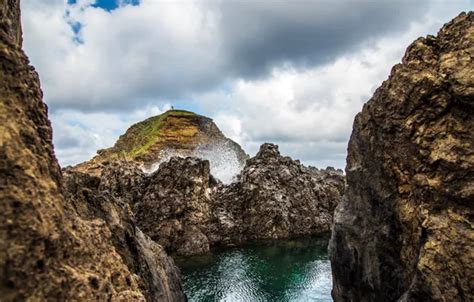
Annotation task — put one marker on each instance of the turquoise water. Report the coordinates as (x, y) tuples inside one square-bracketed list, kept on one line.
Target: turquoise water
[(284, 270)]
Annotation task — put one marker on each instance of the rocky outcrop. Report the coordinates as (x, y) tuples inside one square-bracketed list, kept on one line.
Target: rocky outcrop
[(107, 198), (175, 209), (52, 248), (404, 229), (187, 211), (276, 197), (173, 133), (284, 199)]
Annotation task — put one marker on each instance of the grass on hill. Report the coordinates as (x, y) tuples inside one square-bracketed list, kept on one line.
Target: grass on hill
[(147, 131)]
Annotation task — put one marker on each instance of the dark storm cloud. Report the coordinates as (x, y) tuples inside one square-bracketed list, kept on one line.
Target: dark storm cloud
[(259, 35), (166, 50)]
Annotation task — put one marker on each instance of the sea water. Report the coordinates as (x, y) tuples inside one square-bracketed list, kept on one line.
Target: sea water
[(283, 270)]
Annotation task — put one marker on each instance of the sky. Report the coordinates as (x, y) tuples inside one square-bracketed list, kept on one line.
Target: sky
[(294, 73)]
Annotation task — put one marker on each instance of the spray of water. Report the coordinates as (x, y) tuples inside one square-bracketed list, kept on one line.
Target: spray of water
[(223, 161)]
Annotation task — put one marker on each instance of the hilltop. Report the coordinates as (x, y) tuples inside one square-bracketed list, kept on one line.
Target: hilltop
[(173, 133)]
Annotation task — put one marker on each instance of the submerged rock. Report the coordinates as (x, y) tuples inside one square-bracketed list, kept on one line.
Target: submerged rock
[(53, 246), (404, 228), (187, 211)]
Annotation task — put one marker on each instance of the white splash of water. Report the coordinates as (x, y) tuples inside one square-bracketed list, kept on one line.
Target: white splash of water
[(223, 161)]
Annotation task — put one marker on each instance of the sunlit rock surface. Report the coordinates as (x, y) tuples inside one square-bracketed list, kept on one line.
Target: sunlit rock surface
[(404, 229), (107, 199), (54, 246)]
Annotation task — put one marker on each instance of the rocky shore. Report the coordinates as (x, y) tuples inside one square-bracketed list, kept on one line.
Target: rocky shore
[(401, 222), (275, 197), (68, 235), (187, 211), (404, 230), (55, 245)]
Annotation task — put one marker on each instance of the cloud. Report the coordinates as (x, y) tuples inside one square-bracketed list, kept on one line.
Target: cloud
[(78, 135), (127, 57), (90, 58), (294, 73), (258, 36), (310, 112)]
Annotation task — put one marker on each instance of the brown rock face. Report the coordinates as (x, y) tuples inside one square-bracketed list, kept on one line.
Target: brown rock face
[(175, 208), (52, 248), (285, 199), (108, 199), (404, 229), (187, 211)]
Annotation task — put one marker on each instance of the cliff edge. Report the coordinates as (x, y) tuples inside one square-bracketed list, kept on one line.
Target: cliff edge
[(49, 248), (404, 229)]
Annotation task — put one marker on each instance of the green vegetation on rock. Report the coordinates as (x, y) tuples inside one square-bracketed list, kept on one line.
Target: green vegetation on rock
[(146, 132)]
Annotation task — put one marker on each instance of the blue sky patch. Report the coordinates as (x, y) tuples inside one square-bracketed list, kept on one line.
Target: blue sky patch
[(75, 27), (108, 5)]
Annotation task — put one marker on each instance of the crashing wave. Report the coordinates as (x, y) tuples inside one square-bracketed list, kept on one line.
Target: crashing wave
[(223, 161)]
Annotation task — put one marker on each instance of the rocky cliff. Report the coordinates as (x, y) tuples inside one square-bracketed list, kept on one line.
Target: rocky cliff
[(55, 246), (173, 133), (187, 211), (404, 229), (97, 198)]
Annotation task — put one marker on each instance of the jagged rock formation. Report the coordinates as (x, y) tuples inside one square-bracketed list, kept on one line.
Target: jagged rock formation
[(187, 211), (52, 248), (277, 197), (296, 199), (175, 208), (404, 230), (104, 198), (173, 133)]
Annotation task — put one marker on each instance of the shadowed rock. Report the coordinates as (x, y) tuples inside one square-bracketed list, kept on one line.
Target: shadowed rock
[(404, 228), (175, 208), (187, 211), (108, 198)]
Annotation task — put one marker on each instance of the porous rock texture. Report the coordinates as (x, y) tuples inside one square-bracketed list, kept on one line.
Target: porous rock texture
[(108, 198), (283, 198), (187, 211), (52, 248), (175, 208), (404, 229)]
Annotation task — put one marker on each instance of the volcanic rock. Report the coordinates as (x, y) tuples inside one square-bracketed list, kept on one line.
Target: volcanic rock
[(404, 229), (104, 198), (187, 211), (52, 248), (176, 206), (283, 198)]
